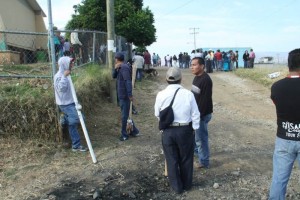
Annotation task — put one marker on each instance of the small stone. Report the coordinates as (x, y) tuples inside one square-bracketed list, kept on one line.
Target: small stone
[(131, 195), (52, 197), (96, 194), (216, 185), (244, 181), (235, 173)]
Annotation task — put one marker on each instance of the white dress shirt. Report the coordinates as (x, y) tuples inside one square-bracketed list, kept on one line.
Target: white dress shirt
[(184, 106)]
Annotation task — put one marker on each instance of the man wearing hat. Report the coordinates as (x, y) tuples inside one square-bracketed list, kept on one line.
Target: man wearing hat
[(122, 73), (178, 139)]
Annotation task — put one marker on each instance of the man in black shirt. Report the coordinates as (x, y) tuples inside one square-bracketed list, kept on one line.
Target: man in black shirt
[(285, 94), (202, 89)]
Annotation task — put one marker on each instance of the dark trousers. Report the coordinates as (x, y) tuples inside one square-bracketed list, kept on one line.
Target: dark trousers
[(178, 146)]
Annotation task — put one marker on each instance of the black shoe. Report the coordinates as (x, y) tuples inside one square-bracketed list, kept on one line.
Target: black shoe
[(134, 112), (134, 134), (123, 138)]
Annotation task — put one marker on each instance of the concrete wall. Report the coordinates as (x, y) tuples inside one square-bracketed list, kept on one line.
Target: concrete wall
[(18, 15)]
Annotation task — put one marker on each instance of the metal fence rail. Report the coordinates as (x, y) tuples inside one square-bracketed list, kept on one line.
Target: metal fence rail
[(20, 48)]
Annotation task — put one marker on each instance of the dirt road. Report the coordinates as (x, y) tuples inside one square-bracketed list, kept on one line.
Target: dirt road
[(242, 134)]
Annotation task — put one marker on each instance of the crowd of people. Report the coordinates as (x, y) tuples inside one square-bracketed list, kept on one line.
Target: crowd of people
[(214, 61), (187, 133)]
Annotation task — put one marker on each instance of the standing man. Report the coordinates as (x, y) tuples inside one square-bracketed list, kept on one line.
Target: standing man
[(246, 59), (251, 58), (180, 60), (285, 94), (154, 60), (124, 91), (138, 63), (218, 56), (147, 58), (202, 89), (76, 44), (178, 139), (65, 101), (237, 59)]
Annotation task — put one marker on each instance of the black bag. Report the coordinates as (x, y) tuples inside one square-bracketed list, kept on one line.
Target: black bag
[(166, 116)]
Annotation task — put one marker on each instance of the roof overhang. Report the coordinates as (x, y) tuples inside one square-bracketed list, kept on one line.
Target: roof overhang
[(36, 7)]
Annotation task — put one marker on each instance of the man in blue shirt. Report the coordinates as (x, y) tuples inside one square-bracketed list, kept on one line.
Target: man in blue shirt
[(124, 91)]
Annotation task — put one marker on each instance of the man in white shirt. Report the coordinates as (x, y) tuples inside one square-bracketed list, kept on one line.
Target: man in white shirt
[(138, 63), (76, 44), (178, 139)]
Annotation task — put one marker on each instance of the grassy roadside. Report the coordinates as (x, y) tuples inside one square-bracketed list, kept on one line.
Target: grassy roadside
[(260, 73), (29, 109)]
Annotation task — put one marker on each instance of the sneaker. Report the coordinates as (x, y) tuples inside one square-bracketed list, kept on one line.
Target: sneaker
[(123, 138), (80, 148)]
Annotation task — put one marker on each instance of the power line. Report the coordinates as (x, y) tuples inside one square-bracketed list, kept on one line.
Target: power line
[(185, 4)]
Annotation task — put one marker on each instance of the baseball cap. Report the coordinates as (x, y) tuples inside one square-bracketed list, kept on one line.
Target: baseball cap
[(173, 74), (119, 56)]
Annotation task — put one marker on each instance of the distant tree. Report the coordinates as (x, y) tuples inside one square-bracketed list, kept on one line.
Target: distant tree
[(132, 21)]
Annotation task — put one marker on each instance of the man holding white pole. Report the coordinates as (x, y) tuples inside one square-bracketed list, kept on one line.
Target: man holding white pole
[(65, 101)]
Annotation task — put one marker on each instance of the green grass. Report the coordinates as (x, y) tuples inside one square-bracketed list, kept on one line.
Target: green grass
[(260, 73), (31, 88), (93, 74), (17, 68)]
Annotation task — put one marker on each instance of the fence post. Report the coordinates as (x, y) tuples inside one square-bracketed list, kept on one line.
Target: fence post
[(52, 50), (94, 46), (51, 33)]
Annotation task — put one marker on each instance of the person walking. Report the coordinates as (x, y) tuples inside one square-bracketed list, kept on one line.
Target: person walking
[(65, 101), (122, 73), (285, 94), (178, 139), (202, 89)]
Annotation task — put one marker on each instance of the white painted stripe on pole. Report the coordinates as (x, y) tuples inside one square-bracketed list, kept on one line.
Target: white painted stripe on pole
[(110, 45), (78, 108)]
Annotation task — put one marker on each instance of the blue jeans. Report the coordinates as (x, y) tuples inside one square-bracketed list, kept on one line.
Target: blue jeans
[(139, 74), (245, 64), (125, 106), (285, 153), (201, 139), (72, 119)]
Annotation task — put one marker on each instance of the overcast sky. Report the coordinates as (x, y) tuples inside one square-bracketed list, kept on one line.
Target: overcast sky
[(264, 25)]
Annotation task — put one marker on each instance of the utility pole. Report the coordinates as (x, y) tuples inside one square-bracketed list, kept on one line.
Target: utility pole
[(194, 33), (110, 5)]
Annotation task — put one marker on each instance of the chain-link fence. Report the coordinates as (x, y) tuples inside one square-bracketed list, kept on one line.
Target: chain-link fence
[(26, 69), (20, 49)]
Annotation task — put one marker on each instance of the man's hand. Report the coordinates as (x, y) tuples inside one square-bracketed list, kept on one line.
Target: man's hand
[(67, 73), (117, 65), (131, 98)]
